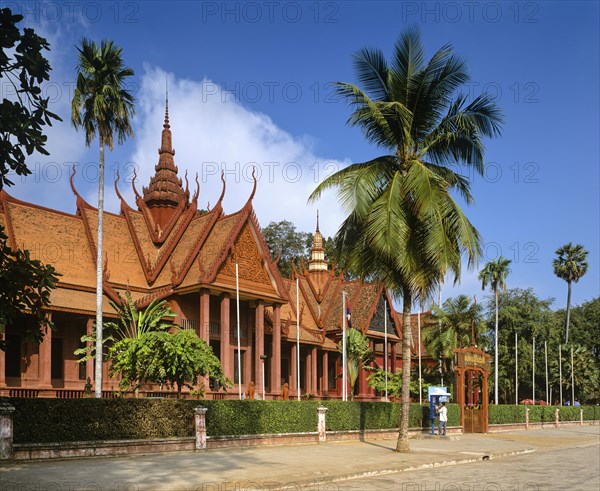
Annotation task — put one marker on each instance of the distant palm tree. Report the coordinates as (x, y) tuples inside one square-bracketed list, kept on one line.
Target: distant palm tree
[(494, 273), (102, 106), (456, 318), (404, 227), (570, 265)]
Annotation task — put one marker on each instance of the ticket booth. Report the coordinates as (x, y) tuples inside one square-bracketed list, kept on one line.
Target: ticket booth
[(472, 367), (436, 396)]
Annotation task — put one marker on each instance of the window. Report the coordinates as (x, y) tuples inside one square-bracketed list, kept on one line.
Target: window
[(56, 358), (13, 356)]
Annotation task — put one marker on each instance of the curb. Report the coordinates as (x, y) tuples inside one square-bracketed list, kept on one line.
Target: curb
[(398, 469)]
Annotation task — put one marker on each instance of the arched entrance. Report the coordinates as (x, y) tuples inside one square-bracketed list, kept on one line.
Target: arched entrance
[(472, 368)]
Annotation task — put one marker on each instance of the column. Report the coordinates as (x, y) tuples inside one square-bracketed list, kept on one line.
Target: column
[(276, 352), (203, 330), (2, 363), (45, 361), (307, 372), (370, 390), (293, 372), (225, 338), (89, 364), (325, 386), (394, 353), (313, 371), (259, 343)]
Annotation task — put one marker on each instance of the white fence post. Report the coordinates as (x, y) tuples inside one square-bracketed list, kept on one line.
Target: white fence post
[(200, 420), (322, 427), (556, 417), (6, 431), (526, 418)]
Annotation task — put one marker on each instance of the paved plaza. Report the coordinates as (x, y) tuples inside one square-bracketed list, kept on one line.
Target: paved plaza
[(315, 466)]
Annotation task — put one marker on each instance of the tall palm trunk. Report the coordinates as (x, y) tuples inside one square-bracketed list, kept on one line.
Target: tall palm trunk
[(403, 445), (496, 353), (568, 311), (98, 382)]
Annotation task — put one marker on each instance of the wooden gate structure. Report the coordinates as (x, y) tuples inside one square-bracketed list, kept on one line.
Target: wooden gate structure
[(472, 366)]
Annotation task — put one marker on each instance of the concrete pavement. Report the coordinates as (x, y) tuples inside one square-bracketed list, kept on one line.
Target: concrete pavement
[(313, 466)]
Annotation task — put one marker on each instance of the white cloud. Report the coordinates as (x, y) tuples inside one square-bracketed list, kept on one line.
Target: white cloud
[(212, 132)]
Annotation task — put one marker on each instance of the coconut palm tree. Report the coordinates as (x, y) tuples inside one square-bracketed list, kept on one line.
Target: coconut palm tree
[(570, 265), (456, 317), (102, 106), (403, 225), (494, 274)]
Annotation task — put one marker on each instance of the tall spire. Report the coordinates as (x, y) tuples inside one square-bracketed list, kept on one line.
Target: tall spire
[(165, 188), (317, 260)]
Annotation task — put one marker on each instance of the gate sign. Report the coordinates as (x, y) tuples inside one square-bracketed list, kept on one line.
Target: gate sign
[(472, 357)]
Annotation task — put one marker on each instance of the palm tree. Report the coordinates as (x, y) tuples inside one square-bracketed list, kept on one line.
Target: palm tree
[(494, 273), (404, 227), (570, 265), (101, 106), (456, 317)]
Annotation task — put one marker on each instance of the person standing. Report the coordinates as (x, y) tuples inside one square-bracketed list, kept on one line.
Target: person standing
[(443, 418)]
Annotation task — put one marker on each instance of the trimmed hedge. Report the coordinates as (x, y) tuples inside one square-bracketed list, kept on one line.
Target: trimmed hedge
[(506, 414), (66, 420)]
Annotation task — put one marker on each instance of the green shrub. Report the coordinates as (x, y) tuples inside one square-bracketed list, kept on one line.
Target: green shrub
[(64, 420), (506, 414)]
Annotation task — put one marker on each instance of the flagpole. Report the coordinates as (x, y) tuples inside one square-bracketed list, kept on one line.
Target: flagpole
[(239, 349), (560, 372), (419, 341), (344, 380), (385, 348), (533, 369), (516, 371), (298, 335), (572, 380), (546, 362)]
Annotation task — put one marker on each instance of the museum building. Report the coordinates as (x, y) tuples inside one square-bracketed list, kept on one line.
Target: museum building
[(167, 248)]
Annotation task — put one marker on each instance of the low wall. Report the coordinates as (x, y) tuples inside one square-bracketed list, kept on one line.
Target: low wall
[(44, 451)]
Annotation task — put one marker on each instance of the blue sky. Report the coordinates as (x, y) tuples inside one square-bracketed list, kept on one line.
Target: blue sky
[(249, 84)]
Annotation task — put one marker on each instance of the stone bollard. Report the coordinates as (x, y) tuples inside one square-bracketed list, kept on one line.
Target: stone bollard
[(580, 417), (322, 427), (200, 420), (556, 417), (526, 418), (6, 431)]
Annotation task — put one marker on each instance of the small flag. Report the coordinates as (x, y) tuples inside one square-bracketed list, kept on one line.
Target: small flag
[(348, 317)]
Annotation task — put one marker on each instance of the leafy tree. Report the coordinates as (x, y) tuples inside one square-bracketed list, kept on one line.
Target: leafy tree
[(176, 359), (25, 291), (584, 326), (404, 227), (101, 106), (287, 244), (358, 354), (570, 265), (522, 312), (494, 274), (457, 317), (25, 284), (586, 374), (377, 380), (23, 65)]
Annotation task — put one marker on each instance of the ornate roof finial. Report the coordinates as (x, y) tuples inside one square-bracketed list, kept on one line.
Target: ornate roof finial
[(165, 189), (318, 231), (317, 260), (166, 124)]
